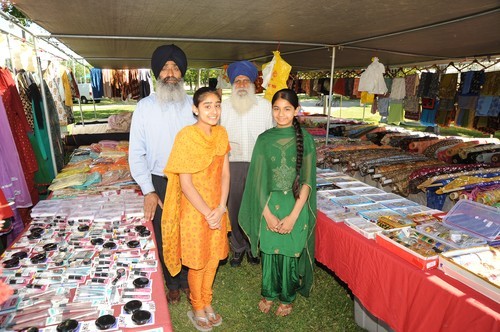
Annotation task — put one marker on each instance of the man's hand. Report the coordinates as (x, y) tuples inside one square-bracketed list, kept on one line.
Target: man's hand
[(151, 200)]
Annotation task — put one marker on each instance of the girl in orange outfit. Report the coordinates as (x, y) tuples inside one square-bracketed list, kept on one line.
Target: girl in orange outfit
[(194, 219)]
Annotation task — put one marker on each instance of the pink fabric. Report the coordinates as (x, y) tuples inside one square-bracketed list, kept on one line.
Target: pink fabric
[(398, 293), (12, 180)]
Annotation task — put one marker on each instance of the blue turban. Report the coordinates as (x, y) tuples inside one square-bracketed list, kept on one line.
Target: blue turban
[(242, 68), (166, 53)]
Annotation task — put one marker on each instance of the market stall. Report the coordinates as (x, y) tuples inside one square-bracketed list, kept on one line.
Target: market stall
[(407, 265)]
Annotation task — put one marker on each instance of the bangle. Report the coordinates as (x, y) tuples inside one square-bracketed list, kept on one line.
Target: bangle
[(223, 207)]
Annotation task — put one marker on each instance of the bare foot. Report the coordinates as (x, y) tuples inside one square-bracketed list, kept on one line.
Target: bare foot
[(284, 310)]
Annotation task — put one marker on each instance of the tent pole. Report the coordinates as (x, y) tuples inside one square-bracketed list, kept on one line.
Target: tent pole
[(330, 96), (10, 52), (340, 114), (45, 108)]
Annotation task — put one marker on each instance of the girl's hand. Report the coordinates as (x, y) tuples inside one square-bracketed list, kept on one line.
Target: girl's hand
[(273, 223), (214, 218), (286, 225)]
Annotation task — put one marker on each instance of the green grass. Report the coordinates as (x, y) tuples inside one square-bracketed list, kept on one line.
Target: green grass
[(109, 107), (103, 109), (237, 293)]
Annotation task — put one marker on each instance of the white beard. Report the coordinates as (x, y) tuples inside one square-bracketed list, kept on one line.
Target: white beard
[(243, 99), (170, 92)]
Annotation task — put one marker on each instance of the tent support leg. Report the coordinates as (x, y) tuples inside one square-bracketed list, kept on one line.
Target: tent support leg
[(330, 96)]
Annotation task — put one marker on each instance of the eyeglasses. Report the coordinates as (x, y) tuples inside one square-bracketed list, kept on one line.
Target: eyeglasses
[(242, 82)]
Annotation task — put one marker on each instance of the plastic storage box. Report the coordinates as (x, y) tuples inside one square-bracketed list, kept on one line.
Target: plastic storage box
[(412, 246), (478, 219), (452, 236)]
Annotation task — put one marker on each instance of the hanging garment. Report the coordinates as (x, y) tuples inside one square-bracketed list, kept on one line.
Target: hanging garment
[(145, 82), (20, 129), (448, 86), (355, 91), (12, 179), (40, 141), (51, 75), (96, 82), (491, 86), (75, 93), (429, 85), (430, 107), (339, 86), (24, 80), (412, 108), (446, 112), (398, 89), (395, 112), (135, 89), (107, 77), (470, 83), (349, 86), (367, 98), (411, 83), (55, 128), (372, 79), (388, 83), (383, 106)]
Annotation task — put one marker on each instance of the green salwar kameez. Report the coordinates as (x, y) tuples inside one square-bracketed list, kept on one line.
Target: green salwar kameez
[(287, 259)]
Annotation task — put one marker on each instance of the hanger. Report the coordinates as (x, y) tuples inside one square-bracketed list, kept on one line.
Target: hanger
[(401, 71), (451, 64), (494, 63)]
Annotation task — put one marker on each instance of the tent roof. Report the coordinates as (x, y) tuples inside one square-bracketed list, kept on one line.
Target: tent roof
[(123, 34)]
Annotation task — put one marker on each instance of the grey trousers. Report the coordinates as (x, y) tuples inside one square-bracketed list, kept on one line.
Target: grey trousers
[(180, 280), (237, 239)]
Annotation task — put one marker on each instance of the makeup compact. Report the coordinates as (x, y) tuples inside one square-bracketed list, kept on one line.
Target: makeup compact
[(140, 282), (140, 228), (105, 322), (109, 245), (19, 255), (11, 263), (50, 247), (141, 317), (133, 244), (132, 306), (145, 233), (83, 228), (38, 258), (68, 325), (97, 241)]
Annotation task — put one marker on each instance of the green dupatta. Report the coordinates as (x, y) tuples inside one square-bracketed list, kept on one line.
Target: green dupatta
[(260, 183)]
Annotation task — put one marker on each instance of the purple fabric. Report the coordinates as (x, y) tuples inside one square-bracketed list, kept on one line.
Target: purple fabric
[(12, 180)]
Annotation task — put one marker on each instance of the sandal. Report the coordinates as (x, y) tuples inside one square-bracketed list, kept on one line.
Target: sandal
[(214, 318), (284, 310), (265, 305), (201, 323)]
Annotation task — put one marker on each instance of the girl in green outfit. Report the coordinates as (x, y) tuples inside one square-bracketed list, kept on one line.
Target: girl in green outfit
[(278, 209)]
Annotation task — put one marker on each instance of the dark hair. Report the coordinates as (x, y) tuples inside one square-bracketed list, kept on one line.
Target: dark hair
[(200, 94), (290, 96)]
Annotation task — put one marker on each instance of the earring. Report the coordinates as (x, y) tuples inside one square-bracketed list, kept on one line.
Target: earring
[(196, 113)]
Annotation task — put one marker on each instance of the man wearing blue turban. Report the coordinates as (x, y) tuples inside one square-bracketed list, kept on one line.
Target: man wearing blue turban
[(245, 116)]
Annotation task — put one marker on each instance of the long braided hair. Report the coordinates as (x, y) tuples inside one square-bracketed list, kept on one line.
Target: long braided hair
[(290, 96)]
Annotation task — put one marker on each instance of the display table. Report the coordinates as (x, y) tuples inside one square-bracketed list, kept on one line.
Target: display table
[(395, 291), (161, 314)]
